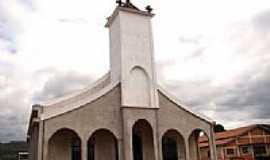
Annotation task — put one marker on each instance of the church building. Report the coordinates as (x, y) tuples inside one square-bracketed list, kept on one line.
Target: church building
[(125, 115)]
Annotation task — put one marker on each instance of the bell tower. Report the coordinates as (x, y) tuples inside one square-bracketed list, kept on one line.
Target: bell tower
[(131, 55)]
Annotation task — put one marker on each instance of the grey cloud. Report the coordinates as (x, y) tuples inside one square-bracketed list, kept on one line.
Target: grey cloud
[(197, 53), (75, 20), (11, 25), (254, 96), (7, 31), (248, 100), (61, 83), (28, 3), (15, 105), (192, 40), (262, 21), (14, 114)]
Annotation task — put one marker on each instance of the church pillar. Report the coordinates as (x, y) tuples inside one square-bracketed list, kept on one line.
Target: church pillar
[(212, 145), (160, 153), (46, 150), (156, 141), (84, 149), (120, 149), (40, 140), (187, 148), (128, 154)]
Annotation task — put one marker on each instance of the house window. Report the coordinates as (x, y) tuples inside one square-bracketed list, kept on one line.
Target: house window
[(230, 151), (259, 149), (244, 150)]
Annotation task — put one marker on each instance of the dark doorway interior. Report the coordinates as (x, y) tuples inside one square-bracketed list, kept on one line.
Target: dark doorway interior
[(137, 146), (91, 150), (76, 149), (169, 148)]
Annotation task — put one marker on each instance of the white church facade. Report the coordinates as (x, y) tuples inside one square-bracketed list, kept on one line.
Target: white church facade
[(125, 115)]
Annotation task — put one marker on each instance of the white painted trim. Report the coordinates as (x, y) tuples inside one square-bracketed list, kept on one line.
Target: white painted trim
[(187, 109)]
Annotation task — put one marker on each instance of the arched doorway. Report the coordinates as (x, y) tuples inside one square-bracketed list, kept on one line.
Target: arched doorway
[(173, 146), (65, 144), (199, 145), (142, 141), (102, 145)]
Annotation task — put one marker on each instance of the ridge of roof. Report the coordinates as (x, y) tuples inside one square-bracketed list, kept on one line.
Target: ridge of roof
[(58, 100), (185, 108), (230, 135), (234, 132), (50, 112)]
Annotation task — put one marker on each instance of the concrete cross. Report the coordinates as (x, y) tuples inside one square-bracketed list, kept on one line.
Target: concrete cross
[(119, 2)]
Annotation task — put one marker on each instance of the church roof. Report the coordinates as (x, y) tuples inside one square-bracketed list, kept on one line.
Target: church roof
[(77, 99), (99, 88)]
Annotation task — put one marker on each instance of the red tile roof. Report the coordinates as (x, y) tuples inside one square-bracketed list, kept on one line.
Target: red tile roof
[(226, 136)]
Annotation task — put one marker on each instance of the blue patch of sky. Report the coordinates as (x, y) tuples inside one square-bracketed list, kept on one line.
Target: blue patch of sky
[(29, 4), (7, 37)]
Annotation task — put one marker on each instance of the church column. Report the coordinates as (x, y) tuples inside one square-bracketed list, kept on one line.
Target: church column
[(84, 149), (156, 141), (128, 153), (212, 145), (187, 148), (40, 140), (120, 149), (46, 150), (160, 153)]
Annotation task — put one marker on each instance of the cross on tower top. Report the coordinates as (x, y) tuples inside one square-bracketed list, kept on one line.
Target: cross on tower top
[(127, 4)]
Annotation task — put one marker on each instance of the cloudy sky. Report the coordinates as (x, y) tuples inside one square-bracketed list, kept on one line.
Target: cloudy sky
[(213, 55)]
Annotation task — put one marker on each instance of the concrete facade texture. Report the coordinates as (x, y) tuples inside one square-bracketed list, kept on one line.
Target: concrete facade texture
[(125, 115)]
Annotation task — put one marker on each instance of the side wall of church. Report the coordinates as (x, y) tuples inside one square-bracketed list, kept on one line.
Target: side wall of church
[(172, 117), (103, 113)]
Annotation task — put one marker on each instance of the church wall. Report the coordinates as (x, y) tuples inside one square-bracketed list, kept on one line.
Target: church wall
[(172, 116), (130, 117), (104, 113)]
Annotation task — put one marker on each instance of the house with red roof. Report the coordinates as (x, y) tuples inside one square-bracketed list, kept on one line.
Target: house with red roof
[(245, 143)]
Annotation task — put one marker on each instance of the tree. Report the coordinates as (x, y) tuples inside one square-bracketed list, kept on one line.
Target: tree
[(219, 128)]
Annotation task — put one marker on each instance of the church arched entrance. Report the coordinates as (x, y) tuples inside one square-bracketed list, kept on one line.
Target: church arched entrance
[(196, 151), (142, 141), (64, 144), (102, 145), (173, 146)]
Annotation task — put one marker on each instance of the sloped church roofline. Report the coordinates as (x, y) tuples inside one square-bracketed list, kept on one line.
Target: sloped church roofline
[(175, 100), (68, 103)]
